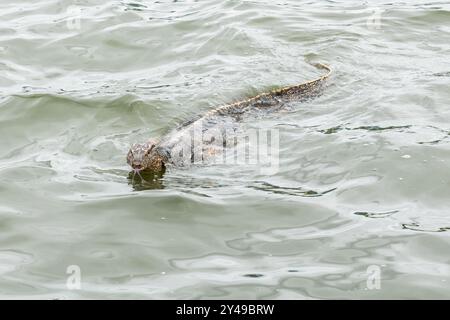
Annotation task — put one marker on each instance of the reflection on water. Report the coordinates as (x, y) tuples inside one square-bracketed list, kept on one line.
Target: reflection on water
[(145, 180), (418, 227), (376, 214), (267, 187), (363, 176)]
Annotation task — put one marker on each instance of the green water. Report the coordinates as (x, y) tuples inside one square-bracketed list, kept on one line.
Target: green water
[(363, 179)]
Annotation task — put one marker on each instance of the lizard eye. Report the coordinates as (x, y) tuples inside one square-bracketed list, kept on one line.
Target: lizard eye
[(149, 149)]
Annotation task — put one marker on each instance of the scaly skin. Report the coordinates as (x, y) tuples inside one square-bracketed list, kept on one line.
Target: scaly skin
[(154, 155)]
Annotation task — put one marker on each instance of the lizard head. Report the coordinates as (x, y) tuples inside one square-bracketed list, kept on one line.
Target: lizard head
[(144, 156)]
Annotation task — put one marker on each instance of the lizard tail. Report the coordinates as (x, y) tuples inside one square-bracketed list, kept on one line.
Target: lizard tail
[(309, 88)]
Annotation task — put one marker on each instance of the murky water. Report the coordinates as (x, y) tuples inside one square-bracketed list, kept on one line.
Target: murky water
[(363, 183)]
